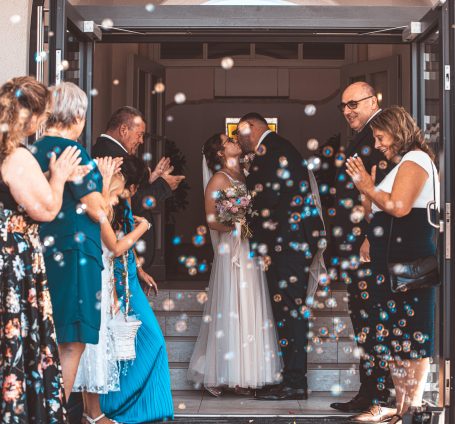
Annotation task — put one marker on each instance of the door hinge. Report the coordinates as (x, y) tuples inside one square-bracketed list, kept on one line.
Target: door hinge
[(447, 382), (447, 77), (448, 231)]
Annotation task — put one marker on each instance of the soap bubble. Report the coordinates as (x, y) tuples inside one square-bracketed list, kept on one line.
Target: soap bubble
[(227, 63), (15, 19), (150, 7), (107, 23), (312, 144), (148, 202), (180, 98), (160, 87), (310, 110)]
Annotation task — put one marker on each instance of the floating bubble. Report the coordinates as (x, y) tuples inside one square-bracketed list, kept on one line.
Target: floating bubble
[(190, 262), (378, 231), (147, 157), (203, 267), (327, 151), (229, 356), (181, 326), (380, 279), (383, 165), (310, 110), (81, 208), (93, 92), (169, 118), (180, 98), (160, 87), (277, 298), (314, 163), (15, 19), (48, 241), (227, 63), (202, 297), (312, 144), (79, 237), (148, 202), (150, 7), (140, 246), (168, 305), (336, 390), (181, 406), (176, 240), (58, 256), (284, 342), (107, 23), (198, 240)]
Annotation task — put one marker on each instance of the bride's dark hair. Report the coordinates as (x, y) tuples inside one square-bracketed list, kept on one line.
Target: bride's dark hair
[(210, 150)]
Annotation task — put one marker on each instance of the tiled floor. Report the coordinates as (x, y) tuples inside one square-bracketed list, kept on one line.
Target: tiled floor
[(201, 403)]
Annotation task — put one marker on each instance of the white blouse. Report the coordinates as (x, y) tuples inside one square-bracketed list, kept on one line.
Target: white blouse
[(427, 194)]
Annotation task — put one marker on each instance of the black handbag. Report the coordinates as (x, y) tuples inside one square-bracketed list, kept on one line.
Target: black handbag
[(418, 274)]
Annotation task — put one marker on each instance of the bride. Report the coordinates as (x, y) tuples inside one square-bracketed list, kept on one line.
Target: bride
[(237, 346)]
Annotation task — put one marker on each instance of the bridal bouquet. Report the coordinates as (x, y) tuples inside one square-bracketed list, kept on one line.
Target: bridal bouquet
[(233, 205)]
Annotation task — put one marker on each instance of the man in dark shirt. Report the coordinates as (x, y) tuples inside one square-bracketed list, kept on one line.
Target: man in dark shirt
[(124, 134), (359, 106)]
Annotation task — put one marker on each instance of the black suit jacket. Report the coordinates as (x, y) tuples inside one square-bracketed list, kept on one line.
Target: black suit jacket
[(287, 221), (347, 196), (159, 189)]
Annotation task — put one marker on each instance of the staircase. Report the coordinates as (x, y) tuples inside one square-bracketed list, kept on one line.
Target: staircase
[(332, 361)]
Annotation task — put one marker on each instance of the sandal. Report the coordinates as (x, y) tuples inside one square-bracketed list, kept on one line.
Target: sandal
[(91, 420), (214, 391), (396, 419)]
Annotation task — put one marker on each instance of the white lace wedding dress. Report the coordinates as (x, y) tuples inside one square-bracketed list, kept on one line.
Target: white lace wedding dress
[(237, 343), (98, 372)]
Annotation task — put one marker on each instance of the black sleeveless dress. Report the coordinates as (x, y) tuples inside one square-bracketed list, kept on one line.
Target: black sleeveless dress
[(30, 372)]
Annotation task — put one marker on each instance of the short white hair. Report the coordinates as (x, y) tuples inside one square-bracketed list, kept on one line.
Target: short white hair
[(69, 103)]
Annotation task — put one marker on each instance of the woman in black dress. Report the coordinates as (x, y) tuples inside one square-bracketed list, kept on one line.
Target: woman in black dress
[(30, 374), (403, 338)]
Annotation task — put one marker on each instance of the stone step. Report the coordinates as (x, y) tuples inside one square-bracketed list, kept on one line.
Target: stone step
[(345, 352), (193, 300)]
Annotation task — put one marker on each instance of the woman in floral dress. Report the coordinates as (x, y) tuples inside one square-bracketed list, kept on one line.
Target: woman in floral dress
[(30, 374)]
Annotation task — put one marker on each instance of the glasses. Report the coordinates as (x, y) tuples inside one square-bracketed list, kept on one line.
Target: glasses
[(352, 104)]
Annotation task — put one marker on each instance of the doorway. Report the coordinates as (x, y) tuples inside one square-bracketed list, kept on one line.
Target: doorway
[(419, 81)]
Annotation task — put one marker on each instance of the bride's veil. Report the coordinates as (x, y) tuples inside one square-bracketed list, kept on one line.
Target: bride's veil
[(206, 175)]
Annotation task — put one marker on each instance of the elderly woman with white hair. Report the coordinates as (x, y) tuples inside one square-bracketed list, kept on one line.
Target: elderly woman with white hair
[(73, 253)]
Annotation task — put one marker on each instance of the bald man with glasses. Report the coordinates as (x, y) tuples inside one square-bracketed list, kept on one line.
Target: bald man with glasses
[(359, 105)]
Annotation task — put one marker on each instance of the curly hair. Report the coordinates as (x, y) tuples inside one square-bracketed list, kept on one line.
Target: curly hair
[(210, 150), (21, 98), (406, 134)]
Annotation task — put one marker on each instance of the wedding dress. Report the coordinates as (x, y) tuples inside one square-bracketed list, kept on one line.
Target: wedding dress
[(98, 372), (237, 343)]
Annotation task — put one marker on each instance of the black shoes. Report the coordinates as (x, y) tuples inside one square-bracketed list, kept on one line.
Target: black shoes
[(357, 404), (281, 392)]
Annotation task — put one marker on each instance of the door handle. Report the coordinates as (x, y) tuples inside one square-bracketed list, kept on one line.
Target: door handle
[(429, 209)]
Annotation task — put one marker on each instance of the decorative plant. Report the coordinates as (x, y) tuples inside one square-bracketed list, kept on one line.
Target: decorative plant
[(178, 202)]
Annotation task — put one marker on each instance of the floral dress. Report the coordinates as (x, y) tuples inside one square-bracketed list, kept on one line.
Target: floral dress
[(30, 372)]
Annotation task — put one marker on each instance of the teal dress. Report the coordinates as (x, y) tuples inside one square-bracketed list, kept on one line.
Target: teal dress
[(145, 385), (73, 253)]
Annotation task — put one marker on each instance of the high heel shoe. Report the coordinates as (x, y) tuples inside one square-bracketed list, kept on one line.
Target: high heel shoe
[(91, 420)]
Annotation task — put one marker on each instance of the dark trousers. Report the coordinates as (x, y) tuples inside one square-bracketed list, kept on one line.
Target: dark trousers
[(287, 282), (375, 381)]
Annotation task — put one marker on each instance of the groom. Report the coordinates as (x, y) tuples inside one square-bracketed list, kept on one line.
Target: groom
[(285, 234)]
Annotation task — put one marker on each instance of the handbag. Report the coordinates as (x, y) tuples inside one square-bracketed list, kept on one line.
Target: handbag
[(418, 274), (123, 327)]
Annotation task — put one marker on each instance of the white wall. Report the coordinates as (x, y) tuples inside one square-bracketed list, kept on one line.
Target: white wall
[(14, 38)]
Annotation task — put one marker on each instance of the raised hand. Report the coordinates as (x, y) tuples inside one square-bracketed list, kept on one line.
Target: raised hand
[(361, 178), (161, 168), (173, 180), (66, 165)]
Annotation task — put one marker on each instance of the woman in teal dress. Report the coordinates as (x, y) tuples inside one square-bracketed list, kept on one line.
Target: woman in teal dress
[(73, 254), (145, 386)]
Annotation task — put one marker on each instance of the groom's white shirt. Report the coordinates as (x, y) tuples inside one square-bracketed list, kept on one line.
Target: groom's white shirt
[(266, 133), (114, 140)]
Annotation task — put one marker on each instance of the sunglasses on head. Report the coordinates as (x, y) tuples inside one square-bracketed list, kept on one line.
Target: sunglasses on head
[(352, 104)]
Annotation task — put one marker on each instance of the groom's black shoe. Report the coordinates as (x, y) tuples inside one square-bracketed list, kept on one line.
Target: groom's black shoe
[(358, 404), (282, 392)]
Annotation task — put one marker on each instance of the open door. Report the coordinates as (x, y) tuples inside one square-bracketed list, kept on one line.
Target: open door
[(433, 109), (71, 45), (142, 77)]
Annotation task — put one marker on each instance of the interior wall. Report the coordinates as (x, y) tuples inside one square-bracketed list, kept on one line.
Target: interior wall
[(203, 114)]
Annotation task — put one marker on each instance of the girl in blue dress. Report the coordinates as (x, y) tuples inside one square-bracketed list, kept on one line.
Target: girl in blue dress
[(145, 386)]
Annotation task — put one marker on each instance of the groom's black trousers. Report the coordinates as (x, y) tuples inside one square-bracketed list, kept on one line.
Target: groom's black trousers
[(287, 281)]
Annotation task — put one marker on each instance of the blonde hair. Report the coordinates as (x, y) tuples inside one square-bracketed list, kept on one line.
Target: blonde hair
[(21, 98), (401, 126), (118, 180)]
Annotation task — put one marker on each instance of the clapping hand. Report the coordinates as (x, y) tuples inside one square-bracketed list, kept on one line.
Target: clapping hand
[(66, 166), (161, 168), (361, 178), (108, 167)]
